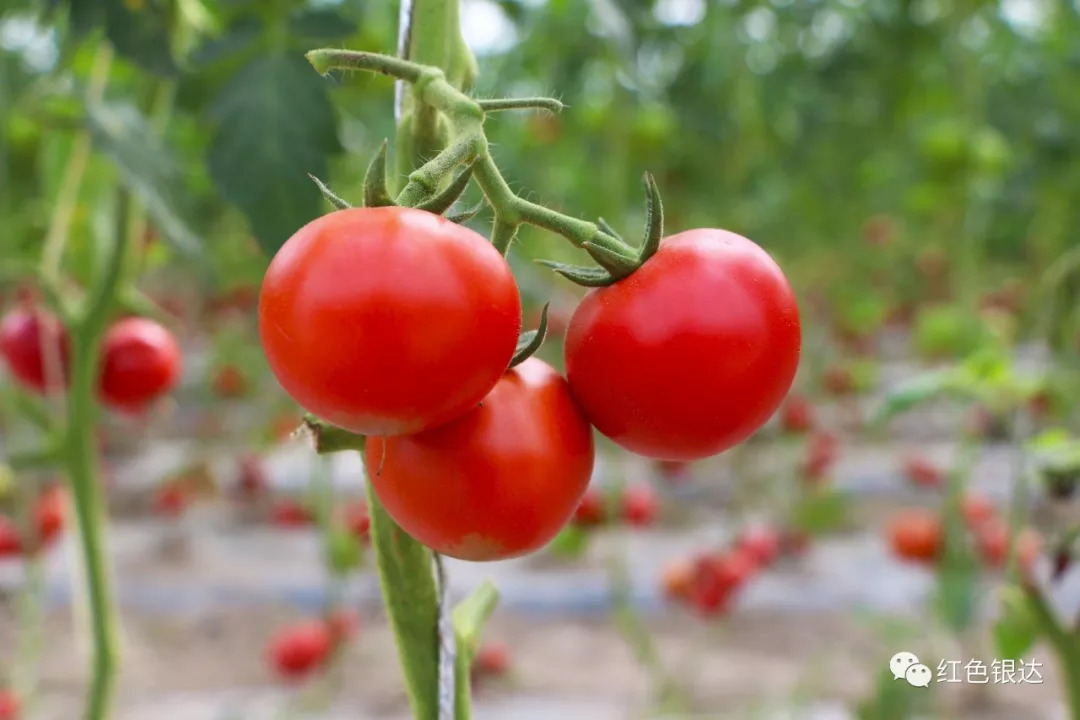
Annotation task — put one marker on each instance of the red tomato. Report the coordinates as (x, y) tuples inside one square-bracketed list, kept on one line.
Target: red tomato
[(822, 451), (977, 509), (493, 658), (388, 320), (140, 362), (496, 483), (639, 505), (992, 544), (358, 520), (674, 471), (761, 542), (170, 500), (917, 535), (342, 624), (24, 333), (289, 513), (10, 543), (923, 473), (229, 381), (299, 649), (678, 578), (690, 354), (838, 380), (592, 510), (716, 579), (797, 415), (252, 477), (49, 515), (9, 705)]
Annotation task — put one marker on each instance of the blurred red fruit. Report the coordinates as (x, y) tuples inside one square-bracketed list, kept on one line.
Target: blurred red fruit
[(492, 659), (289, 513), (358, 520), (343, 625), (838, 380), (922, 473), (299, 649), (760, 542), (252, 479), (797, 415), (992, 544), (591, 510), (24, 333), (229, 382), (794, 542), (673, 470), (170, 500), (10, 543), (822, 451), (639, 505), (977, 509), (677, 578), (916, 535), (9, 705), (49, 515)]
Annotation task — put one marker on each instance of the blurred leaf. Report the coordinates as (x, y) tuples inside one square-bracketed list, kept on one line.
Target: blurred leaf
[(137, 29), (146, 168), (321, 25), (1017, 628), (914, 392), (571, 542), (240, 36), (893, 699), (821, 510), (275, 126)]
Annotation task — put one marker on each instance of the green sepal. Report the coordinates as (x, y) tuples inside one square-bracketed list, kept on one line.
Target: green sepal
[(441, 202), (617, 264), (584, 276), (330, 438), (654, 220), (530, 341), (375, 192), (333, 199), (464, 217), (606, 227)]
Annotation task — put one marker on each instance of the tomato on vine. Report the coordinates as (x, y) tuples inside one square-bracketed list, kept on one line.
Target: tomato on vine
[(388, 320), (140, 362), (299, 649), (691, 353), (496, 483), (24, 333)]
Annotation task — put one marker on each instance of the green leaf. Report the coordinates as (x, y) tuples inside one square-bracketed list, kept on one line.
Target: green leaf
[(571, 542), (275, 126), (915, 392), (821, 511), (469, 618), (141, 35), (408, 588), (1017, 628), (147, 169), (321, 25), (529, 342), (240, 36)]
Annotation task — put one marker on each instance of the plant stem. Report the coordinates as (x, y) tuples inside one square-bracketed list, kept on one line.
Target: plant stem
[(1066, 645)]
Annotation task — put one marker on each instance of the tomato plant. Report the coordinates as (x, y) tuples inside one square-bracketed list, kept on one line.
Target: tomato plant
[(386, 321), (514, 469), (692, 353)]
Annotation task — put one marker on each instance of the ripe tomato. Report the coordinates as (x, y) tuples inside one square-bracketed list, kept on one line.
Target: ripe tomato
[(229, 381), (992, 544), (140, 362), (358, 521), (493, 658), (299, 649), (592, 510), (639, 505), (49, 515), (690, 354), (24, 333), (678, 578), (921, 472), (761, 542), (388, 320), (499, 481), (917, 535), (252, 480), (977, 509), (822, 452), (10, 542), (9, 705), (170, 500), (289, 513), (838, 380), (797, 415)]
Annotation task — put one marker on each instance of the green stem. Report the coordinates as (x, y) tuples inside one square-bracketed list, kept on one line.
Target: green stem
[(1066, 646)]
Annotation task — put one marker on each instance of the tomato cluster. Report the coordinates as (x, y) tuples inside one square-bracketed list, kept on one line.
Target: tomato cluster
[(401, 325), (140, 359)]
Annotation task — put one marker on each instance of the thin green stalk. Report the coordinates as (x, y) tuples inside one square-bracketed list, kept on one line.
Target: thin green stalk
[(1065, 643)]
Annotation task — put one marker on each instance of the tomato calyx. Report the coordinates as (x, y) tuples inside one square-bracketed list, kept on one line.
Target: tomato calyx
[(529, 342), (329, 438), (616, 258)]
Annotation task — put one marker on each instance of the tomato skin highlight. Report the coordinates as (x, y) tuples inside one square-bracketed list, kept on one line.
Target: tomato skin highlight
[(386, 321), (496, 483), (691, 353), (140, 362), (23, 332)]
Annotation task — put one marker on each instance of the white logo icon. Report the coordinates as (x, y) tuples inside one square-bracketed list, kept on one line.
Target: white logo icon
[(900, 663), (918, 675)]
